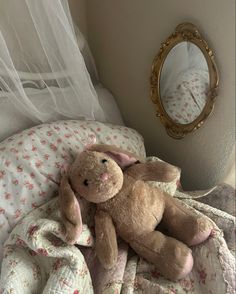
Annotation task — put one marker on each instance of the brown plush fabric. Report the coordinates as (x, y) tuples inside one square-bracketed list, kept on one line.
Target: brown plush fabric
[(131, 208), (70, 211), (106, 243)]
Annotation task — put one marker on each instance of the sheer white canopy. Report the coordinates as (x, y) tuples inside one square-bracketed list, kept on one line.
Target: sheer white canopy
[(42, 70)]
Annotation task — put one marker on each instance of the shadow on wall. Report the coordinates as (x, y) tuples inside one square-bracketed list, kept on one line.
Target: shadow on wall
[(126, 35)]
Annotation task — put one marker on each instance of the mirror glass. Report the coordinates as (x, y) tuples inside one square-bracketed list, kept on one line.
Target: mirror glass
[(184, 82)]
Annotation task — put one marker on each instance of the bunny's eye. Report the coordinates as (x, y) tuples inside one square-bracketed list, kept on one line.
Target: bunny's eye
[(85, 182), (103, 160)]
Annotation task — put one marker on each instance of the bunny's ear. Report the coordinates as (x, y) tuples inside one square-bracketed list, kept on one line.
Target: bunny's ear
[(70, 211), (123, 158)]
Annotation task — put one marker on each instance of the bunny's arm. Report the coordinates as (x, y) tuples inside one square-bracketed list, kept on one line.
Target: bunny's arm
[(70, 211), (153, 171), (106, 241)]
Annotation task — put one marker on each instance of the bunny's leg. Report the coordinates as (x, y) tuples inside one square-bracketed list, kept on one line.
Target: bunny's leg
[(183, 224), (172, 258)]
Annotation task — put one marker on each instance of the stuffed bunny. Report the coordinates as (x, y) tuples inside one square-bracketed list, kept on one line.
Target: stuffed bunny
[(128, 206)]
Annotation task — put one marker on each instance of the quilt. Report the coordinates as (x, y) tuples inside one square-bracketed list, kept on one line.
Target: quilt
[(35, 256), (37, 260)]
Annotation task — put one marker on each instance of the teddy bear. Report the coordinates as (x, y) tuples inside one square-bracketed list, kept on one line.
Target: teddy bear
[(116, 181)]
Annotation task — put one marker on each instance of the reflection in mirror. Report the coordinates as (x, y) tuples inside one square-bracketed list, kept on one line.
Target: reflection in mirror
[(184, 83)]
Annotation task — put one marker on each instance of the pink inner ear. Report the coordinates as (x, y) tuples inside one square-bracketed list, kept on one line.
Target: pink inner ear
[(123, 160)]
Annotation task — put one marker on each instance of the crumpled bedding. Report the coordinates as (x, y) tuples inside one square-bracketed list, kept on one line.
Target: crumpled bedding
[(37, 260)]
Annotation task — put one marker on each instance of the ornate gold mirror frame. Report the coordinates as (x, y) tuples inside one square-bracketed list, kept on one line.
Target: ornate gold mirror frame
[(183, 32)]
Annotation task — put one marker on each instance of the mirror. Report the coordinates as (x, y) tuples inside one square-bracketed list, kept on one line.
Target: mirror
[(184, 81)]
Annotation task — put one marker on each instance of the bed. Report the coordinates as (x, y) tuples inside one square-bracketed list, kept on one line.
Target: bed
[(31, 163), (35, 148)]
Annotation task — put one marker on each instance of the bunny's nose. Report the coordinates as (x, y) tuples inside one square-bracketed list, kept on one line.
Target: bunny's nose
[(104, 177)]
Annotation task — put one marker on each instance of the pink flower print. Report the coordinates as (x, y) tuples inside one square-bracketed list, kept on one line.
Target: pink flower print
[(27, 157), (29, 185), (13, 263), (67, 136), (155, 274), (20, 143), (187, 284), (36, 272), (58, 165), (32, 252), (57, 264), (46, 156), (57, 128), (65, 156), (63, 282), (32, 175), (56, 242), (32, 229), (49, 133), (15, 182), (19, 169), (98, 129), (2, 211), (7, 163), (43, 142), (17, 213), (53, 147), (34, 148), (42, 194), (76, 292), (34, 205), (8, 196), (173, 289), (38, 163), (30, 133), (42, 251), (202, 275), (14, 150), (136, 284), (20, 242), (59, 140), (23, 200), (2, 174)]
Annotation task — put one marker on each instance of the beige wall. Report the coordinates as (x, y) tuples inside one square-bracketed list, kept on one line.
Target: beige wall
[(125, 35)]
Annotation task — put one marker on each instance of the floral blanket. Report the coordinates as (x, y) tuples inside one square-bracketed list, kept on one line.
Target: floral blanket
[(37, 260)]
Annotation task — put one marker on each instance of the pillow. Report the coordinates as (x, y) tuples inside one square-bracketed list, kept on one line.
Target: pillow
[(109, 106), (30, 163)]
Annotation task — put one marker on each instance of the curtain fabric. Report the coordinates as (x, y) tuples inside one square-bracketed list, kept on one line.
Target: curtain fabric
[(40, 53)]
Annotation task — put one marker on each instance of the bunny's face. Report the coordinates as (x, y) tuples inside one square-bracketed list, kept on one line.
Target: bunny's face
[(95, 176)]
